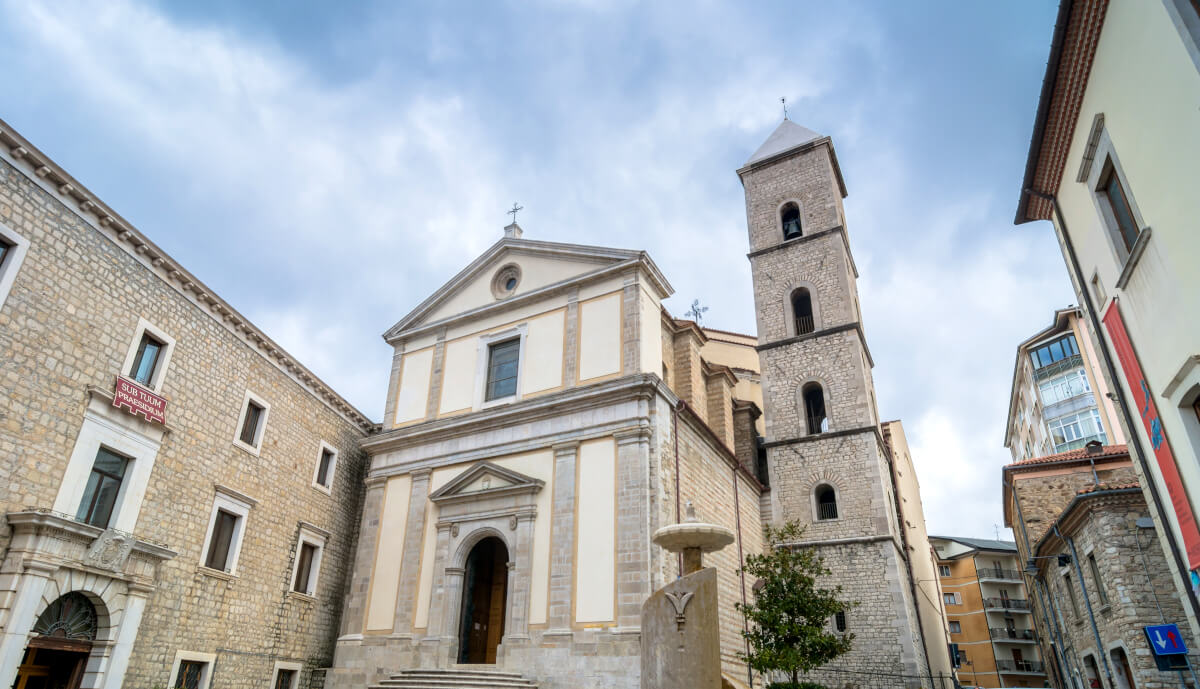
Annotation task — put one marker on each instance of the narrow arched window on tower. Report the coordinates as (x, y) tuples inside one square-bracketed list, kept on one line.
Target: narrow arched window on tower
[(826, 505), (789, 215), (814, 408), (802, 312)]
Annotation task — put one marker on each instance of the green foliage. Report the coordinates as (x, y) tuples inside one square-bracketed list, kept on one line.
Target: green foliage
[(789, 620)]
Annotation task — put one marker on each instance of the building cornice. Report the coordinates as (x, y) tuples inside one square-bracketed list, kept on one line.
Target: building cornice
[(49, 176), (855, 326)]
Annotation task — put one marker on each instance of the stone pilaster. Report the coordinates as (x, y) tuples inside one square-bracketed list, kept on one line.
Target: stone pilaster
[(562, 536), (435, 378), (441, 603), (389, 405), (520, 578), (631, 326), (414, 529), (571, 340), (354, 616), (633, 517)]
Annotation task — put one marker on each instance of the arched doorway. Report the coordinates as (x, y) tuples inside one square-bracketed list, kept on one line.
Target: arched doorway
[(57, 653), (485, 588)]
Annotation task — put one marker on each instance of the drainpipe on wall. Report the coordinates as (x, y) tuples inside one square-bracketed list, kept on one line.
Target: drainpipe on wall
[(1135, 441), (1056, 633), (1088, 601)]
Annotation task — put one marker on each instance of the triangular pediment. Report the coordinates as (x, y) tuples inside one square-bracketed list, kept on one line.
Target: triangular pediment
[(538, 266), (484, 479)]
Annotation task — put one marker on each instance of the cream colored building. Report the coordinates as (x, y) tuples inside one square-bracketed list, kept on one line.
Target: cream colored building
[(1059, 400), (1112, 164)]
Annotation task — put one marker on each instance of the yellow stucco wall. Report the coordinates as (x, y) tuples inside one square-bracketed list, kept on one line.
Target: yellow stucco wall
[(595, 540), (385, 576)]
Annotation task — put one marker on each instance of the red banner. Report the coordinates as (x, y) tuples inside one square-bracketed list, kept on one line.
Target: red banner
[(139, 401), (1154, 428)]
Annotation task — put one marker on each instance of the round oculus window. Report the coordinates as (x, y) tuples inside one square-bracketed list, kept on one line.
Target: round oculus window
[(505, 283)]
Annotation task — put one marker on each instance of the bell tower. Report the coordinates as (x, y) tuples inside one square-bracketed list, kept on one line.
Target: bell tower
[(829, 466)]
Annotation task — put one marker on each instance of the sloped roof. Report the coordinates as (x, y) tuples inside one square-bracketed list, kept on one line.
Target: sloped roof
[(1073, 455), (787, 135), (980, 543)]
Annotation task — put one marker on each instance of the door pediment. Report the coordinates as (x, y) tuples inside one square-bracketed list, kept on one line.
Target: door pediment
[(486, 480)]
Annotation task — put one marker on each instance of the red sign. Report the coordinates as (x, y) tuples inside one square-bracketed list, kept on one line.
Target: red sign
[(139, 401), (1154, 428)]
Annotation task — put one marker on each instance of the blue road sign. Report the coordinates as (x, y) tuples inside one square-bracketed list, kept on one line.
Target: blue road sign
[(1165, 640)]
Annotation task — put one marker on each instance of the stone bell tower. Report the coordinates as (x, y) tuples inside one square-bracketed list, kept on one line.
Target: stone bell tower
[(828, 464)]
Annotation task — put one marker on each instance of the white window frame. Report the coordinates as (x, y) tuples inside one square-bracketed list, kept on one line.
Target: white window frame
[(328, 489), (945, 569), (238, 504), (286, 665), (209, 659), (164, 359), (483, 357), (12, 262), (951, 624), (106, 426), (262, 422), (308, 534)]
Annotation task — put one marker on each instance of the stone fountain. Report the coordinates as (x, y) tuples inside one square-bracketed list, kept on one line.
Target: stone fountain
[(681, 639)]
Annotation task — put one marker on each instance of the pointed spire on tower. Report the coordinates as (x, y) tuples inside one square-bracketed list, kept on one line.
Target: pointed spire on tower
[(787, 135)]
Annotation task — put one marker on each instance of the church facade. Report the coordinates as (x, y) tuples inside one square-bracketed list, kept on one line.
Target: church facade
[(187, 505)]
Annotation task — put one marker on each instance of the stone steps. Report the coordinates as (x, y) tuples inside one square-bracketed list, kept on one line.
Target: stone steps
[(458, 677)]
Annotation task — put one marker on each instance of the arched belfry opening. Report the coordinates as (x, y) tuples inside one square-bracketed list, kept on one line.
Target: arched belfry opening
[(814, 408), (802, 311), (61, 643), (485, 589), (789, 218), (826, 504)]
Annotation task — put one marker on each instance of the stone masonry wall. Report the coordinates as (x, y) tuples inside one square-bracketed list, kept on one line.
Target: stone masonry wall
[(67, 324), (1044, 496), (807, 178)]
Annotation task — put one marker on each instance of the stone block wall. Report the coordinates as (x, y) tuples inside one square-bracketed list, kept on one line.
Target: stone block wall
[(1045, 495), (819, 264), (66, 325), (807, 178)]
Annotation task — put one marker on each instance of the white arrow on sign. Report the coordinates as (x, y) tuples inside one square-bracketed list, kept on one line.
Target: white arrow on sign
[(1162, 643)]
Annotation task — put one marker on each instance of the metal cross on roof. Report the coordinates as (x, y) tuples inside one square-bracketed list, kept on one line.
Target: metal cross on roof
[(514, 210), (784, 101), (696, 313)]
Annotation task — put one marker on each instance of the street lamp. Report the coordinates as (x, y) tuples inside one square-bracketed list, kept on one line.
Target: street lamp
[(1031, 567)]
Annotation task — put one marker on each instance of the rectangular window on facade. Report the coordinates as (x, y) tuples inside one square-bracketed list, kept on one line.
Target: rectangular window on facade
[(103, 487), (221, 542), (5, 250), (502, 369), (226, 528), (145, 361), (304, 568), (190, 674), (952, 598), (955, 627), (1096, 581), (285, 679), (944, 570), (13, 248), (250, 423), (1113, 194), (1076, 430), (326, 463), (1071, 594), (1062, 348)]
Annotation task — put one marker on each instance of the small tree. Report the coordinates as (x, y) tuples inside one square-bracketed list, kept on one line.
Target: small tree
[(789, 618)]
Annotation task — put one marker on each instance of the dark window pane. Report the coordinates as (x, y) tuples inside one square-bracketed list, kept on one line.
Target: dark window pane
[(189, 675), (1121, 211), (284, 679), (323, 467), (222, 541), (4, 247), (250, 424), (146, 360), (103, 486), (502, 369), (304, 569), (1070, 345)]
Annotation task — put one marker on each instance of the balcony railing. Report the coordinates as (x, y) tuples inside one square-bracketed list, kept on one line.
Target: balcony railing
[(1013, 634), (1058, 367), (804, 325), (827, 510), (1006, 604), (1029, 666), (999, 573)]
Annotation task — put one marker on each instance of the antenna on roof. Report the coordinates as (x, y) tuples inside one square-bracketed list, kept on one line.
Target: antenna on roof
[(784, 101), (996, 529)]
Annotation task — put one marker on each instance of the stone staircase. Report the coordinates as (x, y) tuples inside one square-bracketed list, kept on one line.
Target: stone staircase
[(457, 677)]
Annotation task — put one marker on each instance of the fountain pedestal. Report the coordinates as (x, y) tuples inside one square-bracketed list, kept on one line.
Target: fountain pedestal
[(681, 641)]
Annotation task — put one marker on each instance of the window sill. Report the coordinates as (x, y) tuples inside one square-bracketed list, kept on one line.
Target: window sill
[(499, 401), (1139, 248), (302, 596), (1105, 609), (246, 448), (327, 490), (216, 573)]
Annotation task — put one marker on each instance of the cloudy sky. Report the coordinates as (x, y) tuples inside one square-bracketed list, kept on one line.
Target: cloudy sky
[(324, 166)]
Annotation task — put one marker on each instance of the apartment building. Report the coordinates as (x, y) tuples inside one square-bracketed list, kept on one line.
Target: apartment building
[(1060, 401), (988, 613)]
